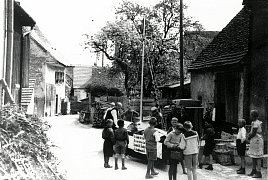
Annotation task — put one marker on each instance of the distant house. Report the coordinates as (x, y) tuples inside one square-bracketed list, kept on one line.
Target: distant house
[(84, 76), (16, 24), (231, 73), (49, 82), (81, 77)]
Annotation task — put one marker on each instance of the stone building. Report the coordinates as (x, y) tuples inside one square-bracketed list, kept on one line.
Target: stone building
[(231, 73), (49, 82), (16, 24)]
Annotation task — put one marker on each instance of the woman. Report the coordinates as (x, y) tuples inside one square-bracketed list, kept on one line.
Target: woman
[(172, 142), (256, 144)]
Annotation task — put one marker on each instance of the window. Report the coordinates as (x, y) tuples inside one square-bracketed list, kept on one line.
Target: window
[(59, 77)]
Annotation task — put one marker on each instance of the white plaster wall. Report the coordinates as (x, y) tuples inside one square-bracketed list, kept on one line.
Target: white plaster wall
[(80, 94)]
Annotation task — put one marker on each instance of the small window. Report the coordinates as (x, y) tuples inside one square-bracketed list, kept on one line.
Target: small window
[(59, 77)]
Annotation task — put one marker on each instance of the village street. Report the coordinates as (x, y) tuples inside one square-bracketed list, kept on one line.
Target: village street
[(80, 151)]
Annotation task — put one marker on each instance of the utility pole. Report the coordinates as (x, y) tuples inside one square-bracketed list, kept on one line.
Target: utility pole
[(181, 50), (142, 67)]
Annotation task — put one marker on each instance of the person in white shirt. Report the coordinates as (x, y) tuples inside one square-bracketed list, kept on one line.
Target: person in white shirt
[(112, 113), (241, 144)]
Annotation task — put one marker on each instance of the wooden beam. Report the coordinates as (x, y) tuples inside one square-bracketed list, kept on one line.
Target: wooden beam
[(7, 90)]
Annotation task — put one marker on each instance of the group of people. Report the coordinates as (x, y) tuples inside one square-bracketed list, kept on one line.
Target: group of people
[(183, 147), (256, 144), (182, 142)]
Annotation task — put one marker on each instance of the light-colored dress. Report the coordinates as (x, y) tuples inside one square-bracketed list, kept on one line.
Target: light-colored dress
[(256, 143)]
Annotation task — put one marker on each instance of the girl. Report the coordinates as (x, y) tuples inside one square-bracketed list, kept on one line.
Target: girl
[(108, 136), (172, 142), (256, 144), (241, 144)]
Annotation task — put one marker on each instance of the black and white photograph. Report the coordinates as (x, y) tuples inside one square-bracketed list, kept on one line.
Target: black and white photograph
[(133, 89)]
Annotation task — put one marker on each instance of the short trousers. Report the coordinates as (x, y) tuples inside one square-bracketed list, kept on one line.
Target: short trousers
[(120, 147), (208, 150), (191, 161), (241, 147), (151, 154)]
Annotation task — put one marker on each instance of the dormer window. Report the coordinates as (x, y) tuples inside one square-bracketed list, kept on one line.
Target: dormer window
[(59, 77)]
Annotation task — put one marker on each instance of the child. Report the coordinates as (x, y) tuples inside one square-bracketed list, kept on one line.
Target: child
[(172, 142), (189, 144), (209, 145), (108, 136), (150, 135), (174, 123), (121, 141), (241, 144)]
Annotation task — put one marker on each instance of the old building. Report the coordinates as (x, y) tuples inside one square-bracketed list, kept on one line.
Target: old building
[(16, 24), (231, 73), (49, 82)]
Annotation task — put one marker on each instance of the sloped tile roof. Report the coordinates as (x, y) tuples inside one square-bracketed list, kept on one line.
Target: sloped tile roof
[(229, 47)]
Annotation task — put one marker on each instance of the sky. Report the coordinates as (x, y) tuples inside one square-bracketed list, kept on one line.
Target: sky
[(65, 21)]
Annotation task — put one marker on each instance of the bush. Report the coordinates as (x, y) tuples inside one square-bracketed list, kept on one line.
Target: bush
[(25, 149)]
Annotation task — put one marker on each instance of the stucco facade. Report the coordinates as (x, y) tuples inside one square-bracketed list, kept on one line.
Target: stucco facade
[(48, 92)]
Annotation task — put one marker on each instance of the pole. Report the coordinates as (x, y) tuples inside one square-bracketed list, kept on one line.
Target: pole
[(142, 67), (181, 50)]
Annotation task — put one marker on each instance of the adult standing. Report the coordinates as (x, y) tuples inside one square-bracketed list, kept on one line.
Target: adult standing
[(184, 116), (130, 114), (112, 113), (256, 144), (158, 116)]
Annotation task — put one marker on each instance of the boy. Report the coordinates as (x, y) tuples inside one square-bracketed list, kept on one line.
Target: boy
[(108, 136), (121, 141), (174, 123), (151, 138), (189, 144), (209, 145), (172, 142), (241, 144)]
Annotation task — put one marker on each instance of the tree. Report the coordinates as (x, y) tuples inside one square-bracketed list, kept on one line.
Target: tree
[(162, 43)]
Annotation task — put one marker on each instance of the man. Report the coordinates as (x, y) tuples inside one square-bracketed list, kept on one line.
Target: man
[(112, 113), (130, 114), (184, 116), (158, 116)]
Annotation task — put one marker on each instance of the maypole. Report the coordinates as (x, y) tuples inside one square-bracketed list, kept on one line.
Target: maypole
[(142, 68)]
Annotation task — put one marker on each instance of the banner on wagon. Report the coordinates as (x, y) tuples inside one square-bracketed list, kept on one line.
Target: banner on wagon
[(139, 143)]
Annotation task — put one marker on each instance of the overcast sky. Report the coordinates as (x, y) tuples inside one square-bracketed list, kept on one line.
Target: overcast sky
[(64, 21)]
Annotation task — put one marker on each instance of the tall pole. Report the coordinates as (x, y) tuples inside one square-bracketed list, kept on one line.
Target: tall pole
[(181, 50), (142, 67)]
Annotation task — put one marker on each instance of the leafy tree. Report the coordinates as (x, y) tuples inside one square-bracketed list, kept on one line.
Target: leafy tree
[(124, 36)]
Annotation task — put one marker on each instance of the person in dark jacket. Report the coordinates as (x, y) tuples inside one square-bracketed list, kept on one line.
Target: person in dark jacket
[(130, 114), (158, 116), (108, 136), (209, 145)]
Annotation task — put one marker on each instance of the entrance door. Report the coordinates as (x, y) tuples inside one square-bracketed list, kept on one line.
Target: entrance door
[(56, 104), (227, 95)]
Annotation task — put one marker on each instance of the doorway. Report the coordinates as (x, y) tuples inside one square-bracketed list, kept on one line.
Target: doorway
[(227, 96), (56, 104)]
